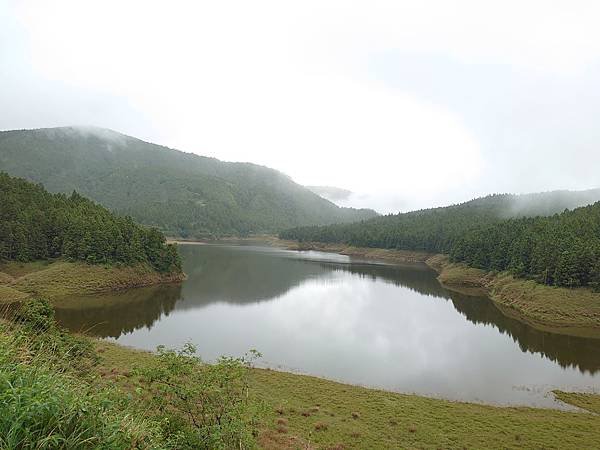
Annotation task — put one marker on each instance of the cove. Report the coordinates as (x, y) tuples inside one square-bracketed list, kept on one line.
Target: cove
[(362, 322)]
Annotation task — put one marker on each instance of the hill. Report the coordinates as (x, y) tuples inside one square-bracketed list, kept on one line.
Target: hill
[(183, 194), (498, 232), (38, 225), (435, 229), (559, 250)]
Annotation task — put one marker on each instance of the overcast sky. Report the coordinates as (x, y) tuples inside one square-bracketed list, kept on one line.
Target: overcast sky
[(408, 104)]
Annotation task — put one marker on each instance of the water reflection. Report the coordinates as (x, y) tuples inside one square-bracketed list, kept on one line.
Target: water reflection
[(381, 325), (242, 274), (568, 351), (111, 315)]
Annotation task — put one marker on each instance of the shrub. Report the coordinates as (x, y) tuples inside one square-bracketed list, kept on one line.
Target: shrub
[(321, 426), (37, 315), (50, 399), (212, 398)]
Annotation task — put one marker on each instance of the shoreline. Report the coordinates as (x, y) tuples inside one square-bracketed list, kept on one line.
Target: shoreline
[(313, 412), (572, 312), (363, 417), (57, 279)]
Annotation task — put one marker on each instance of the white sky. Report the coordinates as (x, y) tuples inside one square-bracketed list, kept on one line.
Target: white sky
[(408, 104)]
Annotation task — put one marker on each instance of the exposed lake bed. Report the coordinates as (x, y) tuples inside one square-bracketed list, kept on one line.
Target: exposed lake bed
[(389, 326)]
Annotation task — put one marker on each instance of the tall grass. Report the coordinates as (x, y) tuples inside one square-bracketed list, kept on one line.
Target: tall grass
[(48, 399), (51, 396)]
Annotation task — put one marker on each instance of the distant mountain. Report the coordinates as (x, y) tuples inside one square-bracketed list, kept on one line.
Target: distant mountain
[(437, 229), (331, 193), (183, 194)]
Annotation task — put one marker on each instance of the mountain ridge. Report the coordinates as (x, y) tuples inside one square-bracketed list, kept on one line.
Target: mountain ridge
[(183, 194)]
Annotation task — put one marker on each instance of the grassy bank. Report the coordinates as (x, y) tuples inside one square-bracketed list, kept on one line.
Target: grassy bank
[(588, 402), (59, 278), (561, 310), (307, 412), (55, 394)]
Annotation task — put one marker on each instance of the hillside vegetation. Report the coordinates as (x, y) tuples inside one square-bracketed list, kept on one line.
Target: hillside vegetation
[(183, 194), (37, 225), (560, 250)]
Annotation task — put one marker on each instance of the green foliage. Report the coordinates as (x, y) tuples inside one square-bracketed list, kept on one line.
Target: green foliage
[(35, 224), (52, 398), (45, 410), (180, 193), (213, 399), (35, 315), (41, 336), (560, 250), (48, 398)]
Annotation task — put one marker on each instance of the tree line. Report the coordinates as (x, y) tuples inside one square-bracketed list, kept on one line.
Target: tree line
[(560, 250), (35, 224)]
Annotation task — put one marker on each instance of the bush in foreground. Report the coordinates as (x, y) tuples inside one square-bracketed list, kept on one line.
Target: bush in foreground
[(51, 398)]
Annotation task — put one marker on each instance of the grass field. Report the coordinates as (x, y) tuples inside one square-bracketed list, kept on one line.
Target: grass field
[(308, 412)]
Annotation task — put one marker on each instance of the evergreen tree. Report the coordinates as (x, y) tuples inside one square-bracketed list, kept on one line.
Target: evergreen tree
[(35, 224)]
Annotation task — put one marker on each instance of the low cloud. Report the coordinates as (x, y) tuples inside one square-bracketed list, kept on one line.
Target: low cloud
[(408, 105)]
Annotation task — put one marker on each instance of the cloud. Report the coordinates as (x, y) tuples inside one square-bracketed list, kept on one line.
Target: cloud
[(406, 103)]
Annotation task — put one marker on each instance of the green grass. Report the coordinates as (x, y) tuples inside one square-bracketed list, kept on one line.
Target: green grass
[(55, 395), (43, 409), (303, 410), (49, 398), (56, 279), (17, 269), (10, 295), (554, 307), (5, 278), (587, 401)]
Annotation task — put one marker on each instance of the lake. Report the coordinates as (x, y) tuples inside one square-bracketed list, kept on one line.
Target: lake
[(361, 322)]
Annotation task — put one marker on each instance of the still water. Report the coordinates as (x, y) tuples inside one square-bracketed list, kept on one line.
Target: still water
[(373, 324)]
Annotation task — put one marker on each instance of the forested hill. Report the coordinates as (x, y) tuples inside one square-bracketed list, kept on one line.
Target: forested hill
[(563, 249), (35, 224), (436, 229), (560, 250), (181, 193)]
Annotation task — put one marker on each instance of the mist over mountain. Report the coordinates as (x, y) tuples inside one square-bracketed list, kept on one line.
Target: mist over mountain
[(547, 203), (437, 229), (181, 193), (331, 193)]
